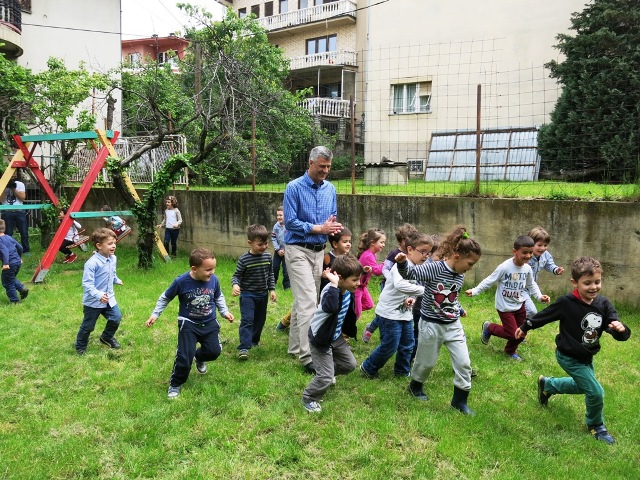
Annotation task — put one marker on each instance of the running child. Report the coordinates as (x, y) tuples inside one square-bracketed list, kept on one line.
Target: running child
[(402, 233), (584, 315), (335, 315), (393, 314), (199, 294), (440, 315), (371, 243), (514, 277), (541, 260), (98, 279)]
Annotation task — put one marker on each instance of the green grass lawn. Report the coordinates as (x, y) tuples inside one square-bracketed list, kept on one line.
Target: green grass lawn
[(551, 190), (106, 415)]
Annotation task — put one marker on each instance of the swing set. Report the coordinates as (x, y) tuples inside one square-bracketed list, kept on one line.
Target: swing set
[(23, 158)]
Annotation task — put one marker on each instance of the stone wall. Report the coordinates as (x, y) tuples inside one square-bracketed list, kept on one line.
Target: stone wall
[(608, 231)]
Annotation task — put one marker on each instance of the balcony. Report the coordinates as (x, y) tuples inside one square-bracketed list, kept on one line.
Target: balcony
[(11, 28), (326, 59), (327, 107), (343, 9)]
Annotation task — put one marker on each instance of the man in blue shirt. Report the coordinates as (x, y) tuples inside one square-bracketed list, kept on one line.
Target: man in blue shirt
[(310, 209)]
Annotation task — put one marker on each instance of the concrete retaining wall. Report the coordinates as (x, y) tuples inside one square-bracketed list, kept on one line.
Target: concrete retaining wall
[(608, 231)]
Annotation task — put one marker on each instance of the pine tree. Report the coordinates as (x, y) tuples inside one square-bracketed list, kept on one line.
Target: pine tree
[(594, 132)]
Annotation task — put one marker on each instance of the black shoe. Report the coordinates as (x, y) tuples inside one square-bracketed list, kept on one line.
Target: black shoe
[(24, 293), (415, 389), (80, 351), (600, 432), (459, 401), (310, 368), (110, 342), (543, 397)]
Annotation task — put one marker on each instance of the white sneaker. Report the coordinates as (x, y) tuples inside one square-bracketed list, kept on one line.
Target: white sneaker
[(201, 367)]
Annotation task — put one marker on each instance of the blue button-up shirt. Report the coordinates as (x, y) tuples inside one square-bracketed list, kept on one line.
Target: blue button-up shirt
[(98, 278), (307, 204)]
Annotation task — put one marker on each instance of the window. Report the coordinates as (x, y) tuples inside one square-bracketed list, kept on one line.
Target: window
[(284, 6), (322, 2), (304, 4), (268, 9), (135, 58), (322, 44), (242, 12), (411, 98), (255, 10), (167, 57)]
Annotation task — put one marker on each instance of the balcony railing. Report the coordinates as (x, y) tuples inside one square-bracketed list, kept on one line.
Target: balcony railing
[(327, 107), (340, 57), (309, 15), (11, 14)]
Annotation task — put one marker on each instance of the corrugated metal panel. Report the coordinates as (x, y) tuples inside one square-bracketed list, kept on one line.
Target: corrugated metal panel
[(506, 154)]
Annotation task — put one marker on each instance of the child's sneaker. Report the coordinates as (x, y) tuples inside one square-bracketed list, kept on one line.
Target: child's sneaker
[(243, 354), (24, 293), (543, 397), (174, 392), (515, 357), (486, 334), (312, 407), (600, 432), (70, 258), (366, 335), (367, 374), (201, 367), (280, 327)]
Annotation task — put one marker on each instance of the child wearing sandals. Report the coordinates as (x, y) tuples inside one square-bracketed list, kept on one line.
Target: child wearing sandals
[(440, 314)]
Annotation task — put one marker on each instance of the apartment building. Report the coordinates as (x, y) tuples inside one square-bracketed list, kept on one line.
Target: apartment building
[(319, 37), (86, 32), (413, 67)]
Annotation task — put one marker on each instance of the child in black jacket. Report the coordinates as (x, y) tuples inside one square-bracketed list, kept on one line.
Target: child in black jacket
[(584, 316), (330, 352)]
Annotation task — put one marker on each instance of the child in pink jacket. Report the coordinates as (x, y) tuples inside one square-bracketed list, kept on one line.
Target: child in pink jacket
[(371, 243)]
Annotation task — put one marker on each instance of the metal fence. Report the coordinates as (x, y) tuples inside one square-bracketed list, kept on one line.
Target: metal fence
[(142, 170)]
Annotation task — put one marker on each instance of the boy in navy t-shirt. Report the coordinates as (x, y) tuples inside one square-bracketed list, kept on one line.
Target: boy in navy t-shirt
[(199, 294)]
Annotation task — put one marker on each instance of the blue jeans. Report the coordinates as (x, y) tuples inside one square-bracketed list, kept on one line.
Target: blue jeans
[(11, 284), (277, 261), (582, 379), (396, 336), (17, 219), (253, 314), (171, 235), (113, 316)]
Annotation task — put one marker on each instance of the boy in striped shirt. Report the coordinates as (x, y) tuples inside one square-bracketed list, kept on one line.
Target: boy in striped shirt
[(253, 281)]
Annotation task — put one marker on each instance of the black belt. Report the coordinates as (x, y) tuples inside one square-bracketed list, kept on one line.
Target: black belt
[(316, 247)]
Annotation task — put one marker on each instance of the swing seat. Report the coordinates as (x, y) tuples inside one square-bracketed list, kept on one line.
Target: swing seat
[(79, 239), (122, 232)]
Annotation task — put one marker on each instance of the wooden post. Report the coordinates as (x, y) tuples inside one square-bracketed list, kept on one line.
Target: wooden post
[(478, 146)]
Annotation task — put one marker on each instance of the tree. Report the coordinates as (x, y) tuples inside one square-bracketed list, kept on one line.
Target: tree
[(231, 76), (16, 94), (595, 125)]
